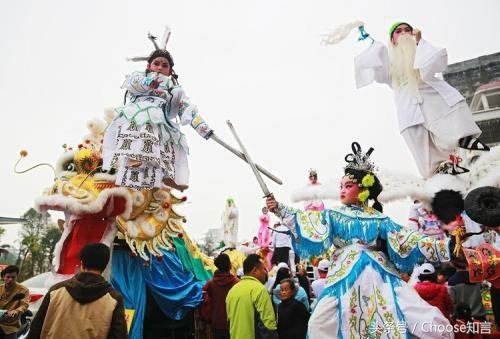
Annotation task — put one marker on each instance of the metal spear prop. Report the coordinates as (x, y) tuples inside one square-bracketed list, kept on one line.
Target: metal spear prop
[(261, 182), (243, 157)]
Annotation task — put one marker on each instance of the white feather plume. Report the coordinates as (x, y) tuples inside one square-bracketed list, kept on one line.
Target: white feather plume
[(484, 172), (340, 33), (316, 192), (165, 37), (399, 185)]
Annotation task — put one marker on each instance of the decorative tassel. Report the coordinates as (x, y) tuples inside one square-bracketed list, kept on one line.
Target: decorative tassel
[(341, 287), (458, 233)]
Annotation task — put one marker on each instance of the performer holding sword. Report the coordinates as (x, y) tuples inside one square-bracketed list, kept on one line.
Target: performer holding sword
[(144, 141), (364, 295)]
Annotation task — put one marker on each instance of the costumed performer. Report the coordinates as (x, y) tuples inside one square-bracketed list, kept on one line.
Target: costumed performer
[(423, 220), (364, 295), (264, 237), (230, 224), (316, 204), (433, 116), (144, 141)]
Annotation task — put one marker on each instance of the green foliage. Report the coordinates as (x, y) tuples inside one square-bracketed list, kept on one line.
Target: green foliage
[(38, 237)]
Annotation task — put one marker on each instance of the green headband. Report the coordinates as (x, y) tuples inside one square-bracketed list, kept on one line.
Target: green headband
[(395, 25)]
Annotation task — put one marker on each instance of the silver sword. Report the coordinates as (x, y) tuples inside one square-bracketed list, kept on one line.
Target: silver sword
[(261, 182), (242, 157)]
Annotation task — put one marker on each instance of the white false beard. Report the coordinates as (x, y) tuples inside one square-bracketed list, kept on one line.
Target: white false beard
[(402, 58)]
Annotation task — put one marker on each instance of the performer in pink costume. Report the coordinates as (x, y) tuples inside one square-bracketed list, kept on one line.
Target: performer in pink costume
[(264, 237), (316, 204)]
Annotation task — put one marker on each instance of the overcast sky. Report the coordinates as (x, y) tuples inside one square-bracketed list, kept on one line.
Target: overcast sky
[(257, 63)]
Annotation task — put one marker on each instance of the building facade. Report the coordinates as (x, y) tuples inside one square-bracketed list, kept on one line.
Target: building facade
[(479, 82)]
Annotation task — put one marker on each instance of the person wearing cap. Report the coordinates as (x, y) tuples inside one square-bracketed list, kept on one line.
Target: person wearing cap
[(433, 117), (318, 285), (272, 276), (144, 141), (432, 292)]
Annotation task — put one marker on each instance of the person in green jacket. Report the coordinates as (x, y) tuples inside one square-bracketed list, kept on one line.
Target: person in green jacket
[(249, 307)]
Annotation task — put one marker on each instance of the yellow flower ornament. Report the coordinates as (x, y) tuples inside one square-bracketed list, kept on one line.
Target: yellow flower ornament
[(363, 196), (368, 180)]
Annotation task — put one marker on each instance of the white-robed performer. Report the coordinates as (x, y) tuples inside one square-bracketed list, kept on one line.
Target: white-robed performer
[(144, 141), (434, 118), (364, 295), (230, 224)]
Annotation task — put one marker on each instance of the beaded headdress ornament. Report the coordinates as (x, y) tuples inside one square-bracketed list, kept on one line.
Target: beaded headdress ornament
[(359, 160)]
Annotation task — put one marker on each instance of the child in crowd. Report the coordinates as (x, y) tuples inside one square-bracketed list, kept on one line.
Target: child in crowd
[(432, 292)]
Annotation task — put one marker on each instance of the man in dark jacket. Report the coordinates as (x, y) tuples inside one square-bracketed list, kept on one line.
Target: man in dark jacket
[(217, 290), (85, 306)]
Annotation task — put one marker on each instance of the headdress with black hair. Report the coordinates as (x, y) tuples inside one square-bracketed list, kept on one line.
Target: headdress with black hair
[(359, 160), (313, 172), (161, 53), (360, 169)]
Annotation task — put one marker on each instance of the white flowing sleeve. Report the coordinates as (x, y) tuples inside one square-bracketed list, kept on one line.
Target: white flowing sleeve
[(407, 248), (138, 83), (430, 60), (188, 114), (372, 65), (310, 229)]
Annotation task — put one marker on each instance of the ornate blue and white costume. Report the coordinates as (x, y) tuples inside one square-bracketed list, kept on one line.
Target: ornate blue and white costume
[(364, 296), (147, 129)]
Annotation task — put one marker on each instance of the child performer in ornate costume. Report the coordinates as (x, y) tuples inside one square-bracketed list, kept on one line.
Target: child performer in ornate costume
[(433, 116), (144, 141), (363, 295), (316, 204), (264, 237)]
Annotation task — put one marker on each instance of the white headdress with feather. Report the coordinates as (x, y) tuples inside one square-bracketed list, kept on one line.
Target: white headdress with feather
[(161, 46)]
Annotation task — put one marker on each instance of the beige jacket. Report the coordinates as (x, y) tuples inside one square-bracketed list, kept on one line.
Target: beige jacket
[(83, 307), (12, 325)]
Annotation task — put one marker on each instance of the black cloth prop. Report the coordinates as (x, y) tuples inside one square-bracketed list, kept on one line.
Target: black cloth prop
[(483, 205)]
